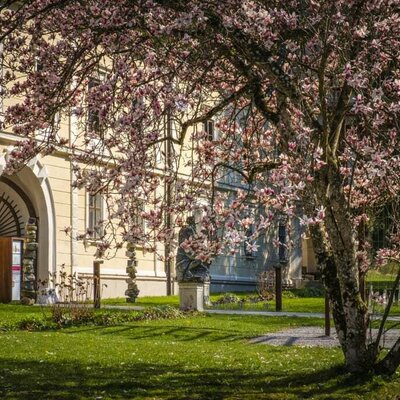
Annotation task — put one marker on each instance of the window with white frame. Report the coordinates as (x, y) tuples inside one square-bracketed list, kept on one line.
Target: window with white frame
[(94, 125), (95, 215), (209, 128), (137, 224), (43, 134), (38, 65), (229, 176), (137, 211), (249, 250)]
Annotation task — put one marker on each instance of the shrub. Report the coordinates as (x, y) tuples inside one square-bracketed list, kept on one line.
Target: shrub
[(64, 317), (309, 292), (228, 298), (163, 312), (35, 324), (73, 314), (253, 299), (266, 285), (288, 294)]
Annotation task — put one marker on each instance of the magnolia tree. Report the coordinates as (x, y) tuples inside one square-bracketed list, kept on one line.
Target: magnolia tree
[(306, 98)]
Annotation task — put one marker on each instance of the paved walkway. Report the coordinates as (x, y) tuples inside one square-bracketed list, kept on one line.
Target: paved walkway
[(312, 336), (242, 312)]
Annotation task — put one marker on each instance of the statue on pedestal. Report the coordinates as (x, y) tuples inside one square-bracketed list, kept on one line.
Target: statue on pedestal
[(188, 268)]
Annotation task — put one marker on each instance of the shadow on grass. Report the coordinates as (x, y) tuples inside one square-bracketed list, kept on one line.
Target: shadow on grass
[(181, 331), (55, 380), (178, 333), (173, 332)]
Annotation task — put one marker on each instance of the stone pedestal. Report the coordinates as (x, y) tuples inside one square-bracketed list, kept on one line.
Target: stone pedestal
[(191, 296), (207, 301)]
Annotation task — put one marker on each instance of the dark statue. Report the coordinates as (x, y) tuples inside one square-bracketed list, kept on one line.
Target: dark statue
[(188, 269)]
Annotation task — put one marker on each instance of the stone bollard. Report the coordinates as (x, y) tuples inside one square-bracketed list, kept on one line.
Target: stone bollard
[(191, 296)]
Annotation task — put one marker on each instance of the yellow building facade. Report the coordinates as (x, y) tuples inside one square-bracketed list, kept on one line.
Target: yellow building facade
[(42, 191)]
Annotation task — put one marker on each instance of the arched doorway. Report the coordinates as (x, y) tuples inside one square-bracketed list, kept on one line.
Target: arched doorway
[(27, 195), (15, 208)]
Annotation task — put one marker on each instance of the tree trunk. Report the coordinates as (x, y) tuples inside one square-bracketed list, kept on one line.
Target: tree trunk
[(350, 322), (337, 256), (390, 362)]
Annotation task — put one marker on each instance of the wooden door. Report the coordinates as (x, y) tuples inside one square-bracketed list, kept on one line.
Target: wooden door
[(5, 269)]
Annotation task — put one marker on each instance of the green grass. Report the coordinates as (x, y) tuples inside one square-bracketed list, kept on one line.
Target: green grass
[(13, 313), (380, 280), (203, 357), (299, 304), (304, 304), (147, 301), (376, 276)]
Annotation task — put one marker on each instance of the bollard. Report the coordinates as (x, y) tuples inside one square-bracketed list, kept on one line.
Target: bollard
[(327, 316), (278, 288), (96, 283)]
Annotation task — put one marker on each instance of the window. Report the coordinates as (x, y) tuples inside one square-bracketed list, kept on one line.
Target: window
[(248, 252), (208, 127), (43, 134), (137, 224), (95, 215), (136, 212), (38, 65), (228, 176), (93, 114), (250, 243), (173, 127)]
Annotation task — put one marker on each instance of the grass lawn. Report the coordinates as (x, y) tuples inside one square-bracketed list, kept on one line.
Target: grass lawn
[(304, 304), (374, 275), (12, 313), (299, 304), (199, 357), (147, 301)]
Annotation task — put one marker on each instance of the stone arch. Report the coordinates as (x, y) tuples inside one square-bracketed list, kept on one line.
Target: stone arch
[(11, 221), (32, 186)]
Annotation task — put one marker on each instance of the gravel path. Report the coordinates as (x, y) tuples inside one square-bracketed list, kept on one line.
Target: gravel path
[(314, 337)]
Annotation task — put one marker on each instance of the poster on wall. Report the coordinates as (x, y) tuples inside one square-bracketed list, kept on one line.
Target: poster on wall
[(16, 259), (16, 282), (17, 246), (16, 269)]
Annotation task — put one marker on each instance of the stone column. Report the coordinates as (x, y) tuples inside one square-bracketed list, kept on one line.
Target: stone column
[(191, 296), (28, 290), (133, 291)]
